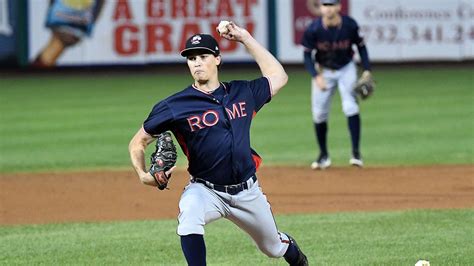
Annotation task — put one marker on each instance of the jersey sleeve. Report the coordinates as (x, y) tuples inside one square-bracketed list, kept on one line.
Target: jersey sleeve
[(308, 40), (356, 38), (359, 41), (261, 92), (159, 120)]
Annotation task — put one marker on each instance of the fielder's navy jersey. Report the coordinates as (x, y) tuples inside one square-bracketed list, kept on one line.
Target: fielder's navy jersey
[(213, 129), (333, 45)]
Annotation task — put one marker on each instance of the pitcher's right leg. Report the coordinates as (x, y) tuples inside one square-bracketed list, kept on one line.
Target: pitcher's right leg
[(198, 207)]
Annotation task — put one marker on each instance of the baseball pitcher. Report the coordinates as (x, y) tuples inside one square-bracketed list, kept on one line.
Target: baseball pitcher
[(331, 37), (211, 122)]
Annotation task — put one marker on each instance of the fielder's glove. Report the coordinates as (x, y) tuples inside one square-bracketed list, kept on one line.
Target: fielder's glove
[(163, 159), (365, 86)]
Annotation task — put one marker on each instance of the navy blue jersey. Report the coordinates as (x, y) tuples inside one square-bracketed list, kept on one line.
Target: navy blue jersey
[(213, 129), (333, 45)]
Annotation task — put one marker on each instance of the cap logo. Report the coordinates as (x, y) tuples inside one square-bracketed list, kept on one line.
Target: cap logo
[(217, 48), (196, 39)]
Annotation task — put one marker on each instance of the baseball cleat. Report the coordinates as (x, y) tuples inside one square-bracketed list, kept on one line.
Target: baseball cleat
[(322, 162), (356, 161), (302, 260)]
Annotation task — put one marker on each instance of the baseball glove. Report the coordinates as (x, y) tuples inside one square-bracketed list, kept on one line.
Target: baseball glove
[(365, 85), (163, 158)]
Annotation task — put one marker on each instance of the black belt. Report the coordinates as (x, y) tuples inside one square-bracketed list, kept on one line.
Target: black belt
[(229, 189)]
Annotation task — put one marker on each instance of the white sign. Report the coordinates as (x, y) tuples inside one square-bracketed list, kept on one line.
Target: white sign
[(397, 30), (406, 30), (152, 31), (5, 28), (288, 50)]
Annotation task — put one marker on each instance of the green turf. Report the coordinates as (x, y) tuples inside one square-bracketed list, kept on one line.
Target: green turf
[(387, 238), (51, 122)]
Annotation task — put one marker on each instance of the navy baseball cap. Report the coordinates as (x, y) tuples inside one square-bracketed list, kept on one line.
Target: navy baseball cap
[(329, 2), (204, 43)]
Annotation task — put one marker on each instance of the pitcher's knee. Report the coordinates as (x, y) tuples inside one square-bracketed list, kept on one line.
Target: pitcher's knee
[(190, 225), (274, 249), (190, 221)]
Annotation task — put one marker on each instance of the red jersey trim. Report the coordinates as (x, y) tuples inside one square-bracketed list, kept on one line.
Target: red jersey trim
[(257, 160), (182, 143)]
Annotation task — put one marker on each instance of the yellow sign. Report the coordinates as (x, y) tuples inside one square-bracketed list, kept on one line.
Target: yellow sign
[(78, 4)]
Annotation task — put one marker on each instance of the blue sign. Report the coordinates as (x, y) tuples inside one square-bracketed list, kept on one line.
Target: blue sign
[(8, 32)]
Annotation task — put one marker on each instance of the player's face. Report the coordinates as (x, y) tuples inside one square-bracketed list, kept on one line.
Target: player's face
[(330, 11), (203, 67)]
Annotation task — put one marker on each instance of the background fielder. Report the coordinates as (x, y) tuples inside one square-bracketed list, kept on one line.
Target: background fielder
[(332, 37), (211, 121)]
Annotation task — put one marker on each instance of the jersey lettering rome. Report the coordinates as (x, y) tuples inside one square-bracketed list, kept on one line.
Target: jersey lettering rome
[(213, 128)]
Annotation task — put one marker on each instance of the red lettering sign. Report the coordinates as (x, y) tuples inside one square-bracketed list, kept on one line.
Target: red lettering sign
[(122, 10), (178, 8), (189, 29), (126, 40), (158, 35), (158, 32), (202, 8), (224, 9), (247, 5), (155, 8)]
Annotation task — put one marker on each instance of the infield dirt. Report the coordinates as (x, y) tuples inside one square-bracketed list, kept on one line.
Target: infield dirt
[(28, 198)]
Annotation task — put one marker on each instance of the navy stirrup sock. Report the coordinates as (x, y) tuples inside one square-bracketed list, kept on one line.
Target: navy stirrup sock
[(292, 254), (194, 249), (321, 133), (354, 129)]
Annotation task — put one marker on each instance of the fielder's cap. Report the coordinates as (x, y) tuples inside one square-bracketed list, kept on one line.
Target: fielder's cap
[(330, 2), (204, 43)]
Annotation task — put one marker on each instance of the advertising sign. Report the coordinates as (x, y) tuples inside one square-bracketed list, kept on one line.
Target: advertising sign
[(394, 30), (8, 24), (135, 31), (405, 30)]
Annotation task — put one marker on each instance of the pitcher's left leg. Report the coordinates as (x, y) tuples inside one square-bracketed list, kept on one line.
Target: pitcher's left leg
[(252, 213)]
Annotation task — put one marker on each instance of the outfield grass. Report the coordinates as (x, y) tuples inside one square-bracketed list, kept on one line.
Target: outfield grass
[(386, 238), (417, 116)]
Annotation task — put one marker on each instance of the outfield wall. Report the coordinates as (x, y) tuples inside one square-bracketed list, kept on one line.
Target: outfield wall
[(147, 31), (154, 31), (8, 31), (394, 30)]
